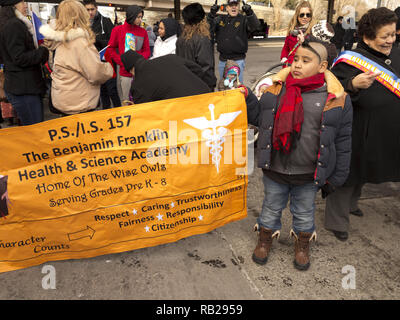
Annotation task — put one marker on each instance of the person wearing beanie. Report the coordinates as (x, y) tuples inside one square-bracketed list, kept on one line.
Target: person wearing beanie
[(129, 36), (24, 84), (165, 77), (195, 42), (231, 33), (167, 37)]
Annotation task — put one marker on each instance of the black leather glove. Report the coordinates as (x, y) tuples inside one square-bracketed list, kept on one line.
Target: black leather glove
[(327, 189), (214, 9), (247, 9)]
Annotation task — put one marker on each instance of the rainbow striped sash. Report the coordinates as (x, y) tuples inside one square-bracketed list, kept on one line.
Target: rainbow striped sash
[(387, 78)]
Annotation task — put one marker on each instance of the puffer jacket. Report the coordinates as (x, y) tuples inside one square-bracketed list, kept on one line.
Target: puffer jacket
[(77, 71), (335, 134)]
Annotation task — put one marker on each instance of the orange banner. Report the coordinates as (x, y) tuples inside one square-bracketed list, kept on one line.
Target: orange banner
[(121, 179)]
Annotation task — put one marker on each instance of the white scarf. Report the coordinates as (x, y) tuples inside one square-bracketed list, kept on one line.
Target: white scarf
[(29, 25)]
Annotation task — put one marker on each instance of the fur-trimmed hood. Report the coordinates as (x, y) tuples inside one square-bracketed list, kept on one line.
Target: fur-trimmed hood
[(57, 37), (333, 84)]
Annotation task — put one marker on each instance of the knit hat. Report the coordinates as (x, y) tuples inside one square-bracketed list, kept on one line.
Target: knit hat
[(4, 3), (131, 59), (323, 30), (231, 68), (193, 13), (233, 1)]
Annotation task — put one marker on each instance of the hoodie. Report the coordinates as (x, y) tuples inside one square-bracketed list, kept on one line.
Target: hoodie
[(128, 37)]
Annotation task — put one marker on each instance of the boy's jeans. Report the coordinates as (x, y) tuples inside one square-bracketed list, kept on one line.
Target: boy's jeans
[(221, 67), (302, 205)]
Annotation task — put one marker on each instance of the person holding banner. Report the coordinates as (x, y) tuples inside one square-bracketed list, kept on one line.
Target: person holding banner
[(24, 85), (370, 74), (78, 71)]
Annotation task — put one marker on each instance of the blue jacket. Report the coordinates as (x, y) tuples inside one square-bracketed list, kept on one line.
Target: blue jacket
[(335, 135)]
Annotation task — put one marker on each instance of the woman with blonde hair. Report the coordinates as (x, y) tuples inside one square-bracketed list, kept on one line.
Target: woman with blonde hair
[(195, 42), (300, 25), (77, 70)]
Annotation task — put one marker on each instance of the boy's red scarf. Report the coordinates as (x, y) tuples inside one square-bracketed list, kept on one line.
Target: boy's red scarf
[(290, 114)]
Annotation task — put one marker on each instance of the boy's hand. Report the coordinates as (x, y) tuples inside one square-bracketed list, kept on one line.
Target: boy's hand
[(327, 189), (365, 80)]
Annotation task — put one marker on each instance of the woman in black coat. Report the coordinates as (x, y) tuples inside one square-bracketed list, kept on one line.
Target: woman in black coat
[(195, 42), (376, 117), (22, 58)]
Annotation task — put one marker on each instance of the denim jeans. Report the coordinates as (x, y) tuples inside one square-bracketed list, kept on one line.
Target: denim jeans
[(29, 108), (241, 64), (302, 205)]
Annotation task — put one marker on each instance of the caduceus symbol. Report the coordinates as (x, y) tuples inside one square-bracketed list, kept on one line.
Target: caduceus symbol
[(213, 131)]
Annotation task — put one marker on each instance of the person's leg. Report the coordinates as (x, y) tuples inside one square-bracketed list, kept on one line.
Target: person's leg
[(241, 64), (302, 207), (113, 92), (269, 221), (355, 197), (104, 97), (126, 83), (29, 108), (275, 200), (221, 67), (337, 209)]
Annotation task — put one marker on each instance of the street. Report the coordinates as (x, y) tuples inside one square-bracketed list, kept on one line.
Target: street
[(218, 265)]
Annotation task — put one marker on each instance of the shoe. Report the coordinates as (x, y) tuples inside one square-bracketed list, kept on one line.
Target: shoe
[(302, 249), (340, 235), (260, 254), (357, 213)]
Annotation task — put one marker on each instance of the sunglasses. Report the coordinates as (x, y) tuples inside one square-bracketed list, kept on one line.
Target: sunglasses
[(302, 15)]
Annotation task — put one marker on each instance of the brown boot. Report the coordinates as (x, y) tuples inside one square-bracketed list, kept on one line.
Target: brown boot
[(260, 254), (301, 249)]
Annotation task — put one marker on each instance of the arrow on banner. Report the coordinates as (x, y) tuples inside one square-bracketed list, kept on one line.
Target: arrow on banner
[(88, 232)]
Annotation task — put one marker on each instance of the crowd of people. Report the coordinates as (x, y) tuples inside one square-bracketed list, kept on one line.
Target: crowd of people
[(329, 122)]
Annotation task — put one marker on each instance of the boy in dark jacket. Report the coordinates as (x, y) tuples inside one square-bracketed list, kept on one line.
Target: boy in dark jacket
[(231, 33), (304, 144)]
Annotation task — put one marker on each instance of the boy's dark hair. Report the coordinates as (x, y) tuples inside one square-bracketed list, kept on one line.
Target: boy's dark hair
[(373, 20), (87, 2), (340, 17), (308, 41)]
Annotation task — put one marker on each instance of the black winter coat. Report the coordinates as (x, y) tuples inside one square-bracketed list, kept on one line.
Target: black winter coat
[(22, 61), (335, 138), (338, 38), (376, 122), (102, 28), (231, 34), (199, 49), (166, 77)]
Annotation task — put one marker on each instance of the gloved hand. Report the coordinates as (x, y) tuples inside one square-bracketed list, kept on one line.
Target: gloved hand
[(214, 9), (327, 189), (247, 9)]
